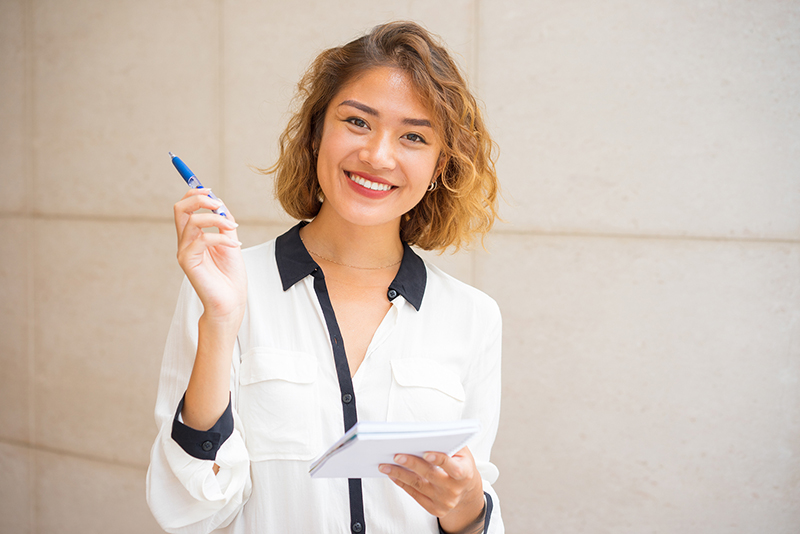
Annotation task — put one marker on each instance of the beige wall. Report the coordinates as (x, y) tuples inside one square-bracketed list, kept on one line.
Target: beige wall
[(648, 268)]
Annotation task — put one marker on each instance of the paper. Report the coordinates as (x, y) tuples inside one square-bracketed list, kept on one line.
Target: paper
[(358, 453)]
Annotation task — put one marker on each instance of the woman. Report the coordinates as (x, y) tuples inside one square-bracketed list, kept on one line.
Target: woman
[(273, 353)]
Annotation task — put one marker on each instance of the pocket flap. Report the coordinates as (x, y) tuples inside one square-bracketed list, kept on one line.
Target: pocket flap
[(261, 364), (426, 373)]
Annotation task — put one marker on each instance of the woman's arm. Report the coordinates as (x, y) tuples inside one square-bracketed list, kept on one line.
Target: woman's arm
[(449, 488), (453, 489), (214, 266), (184, 491)]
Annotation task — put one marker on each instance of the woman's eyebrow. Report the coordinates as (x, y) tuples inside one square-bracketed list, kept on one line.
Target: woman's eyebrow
[(363, 107), (374, 112)]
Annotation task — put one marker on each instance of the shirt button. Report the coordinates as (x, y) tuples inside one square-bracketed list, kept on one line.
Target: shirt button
[(346, 398), (207, 446), (357, 527), (391, 294)]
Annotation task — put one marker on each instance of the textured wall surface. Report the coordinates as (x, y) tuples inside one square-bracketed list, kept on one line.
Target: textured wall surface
[(648, 267)]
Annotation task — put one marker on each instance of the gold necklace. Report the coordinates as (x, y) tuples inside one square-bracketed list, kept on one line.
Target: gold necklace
[(317, 254)]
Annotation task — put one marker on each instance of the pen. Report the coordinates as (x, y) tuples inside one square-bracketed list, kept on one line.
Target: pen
[(193, 182)]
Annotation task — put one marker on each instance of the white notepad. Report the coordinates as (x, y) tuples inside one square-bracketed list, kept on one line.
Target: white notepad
[(358, 453)]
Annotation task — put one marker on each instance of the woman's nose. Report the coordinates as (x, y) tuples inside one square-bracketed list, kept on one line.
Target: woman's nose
[(379, 152)]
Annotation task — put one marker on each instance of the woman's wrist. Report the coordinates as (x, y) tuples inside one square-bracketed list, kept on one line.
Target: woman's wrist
[(474, 526), (208, 391), (224, 324)]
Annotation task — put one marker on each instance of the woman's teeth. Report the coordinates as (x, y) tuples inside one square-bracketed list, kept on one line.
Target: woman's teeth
[(363, 182)]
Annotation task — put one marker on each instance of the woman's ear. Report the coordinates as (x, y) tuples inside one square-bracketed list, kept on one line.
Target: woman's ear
[(440, 165)]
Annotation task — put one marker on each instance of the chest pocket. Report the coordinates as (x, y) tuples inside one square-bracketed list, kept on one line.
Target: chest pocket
[(279, 404), (424, 390)]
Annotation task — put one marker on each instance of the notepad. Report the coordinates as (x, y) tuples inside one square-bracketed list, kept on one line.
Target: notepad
[(368, 444)]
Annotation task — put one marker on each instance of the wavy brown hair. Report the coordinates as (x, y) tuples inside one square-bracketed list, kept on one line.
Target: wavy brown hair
[(465, 202)]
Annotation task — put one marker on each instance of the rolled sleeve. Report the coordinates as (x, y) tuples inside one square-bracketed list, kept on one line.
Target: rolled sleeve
[(202, 444), (184, 492)]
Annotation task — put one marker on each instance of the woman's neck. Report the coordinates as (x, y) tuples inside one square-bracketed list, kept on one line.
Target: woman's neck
[(346, 244)]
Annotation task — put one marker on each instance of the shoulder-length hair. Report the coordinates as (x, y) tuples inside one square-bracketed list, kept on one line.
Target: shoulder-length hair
[(465, 202)]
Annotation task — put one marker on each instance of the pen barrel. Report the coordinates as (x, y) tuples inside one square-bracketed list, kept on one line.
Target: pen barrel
[(185, 172), (192, 181)]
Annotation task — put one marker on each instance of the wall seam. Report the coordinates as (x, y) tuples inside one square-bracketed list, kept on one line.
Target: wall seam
[(476, 17), (30, 245), (497, 231), (475, 66), (28, 192), (221, 94), (33, 449), (649, 237)]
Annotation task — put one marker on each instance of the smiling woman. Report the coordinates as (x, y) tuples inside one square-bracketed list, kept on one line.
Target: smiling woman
[(466, 165), (276, 351), (375, 162)]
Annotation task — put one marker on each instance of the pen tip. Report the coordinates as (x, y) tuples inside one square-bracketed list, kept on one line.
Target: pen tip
[(171, 155)]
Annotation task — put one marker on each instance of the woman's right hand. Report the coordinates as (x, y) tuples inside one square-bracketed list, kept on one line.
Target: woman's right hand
[(212, 262), (214, 265)]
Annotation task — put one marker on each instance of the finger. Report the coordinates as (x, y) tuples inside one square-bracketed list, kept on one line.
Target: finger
[(195, 224), (211, 220), (218, 204), (457, 467), (191, 202), (411, 482), (197, 191), (199, 245), (231, 231), (421, 467), (195, 240), (405, 475), (423, 500), (431, 497)]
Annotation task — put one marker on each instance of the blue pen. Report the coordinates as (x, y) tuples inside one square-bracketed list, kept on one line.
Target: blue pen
[(193, 182)]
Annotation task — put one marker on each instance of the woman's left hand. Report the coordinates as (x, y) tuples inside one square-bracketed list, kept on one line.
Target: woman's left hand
[(449, 488)]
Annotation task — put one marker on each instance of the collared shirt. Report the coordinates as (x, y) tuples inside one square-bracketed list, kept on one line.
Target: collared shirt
[(434, 357)]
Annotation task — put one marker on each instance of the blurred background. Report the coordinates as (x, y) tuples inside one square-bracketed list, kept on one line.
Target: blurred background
[(648, 267)]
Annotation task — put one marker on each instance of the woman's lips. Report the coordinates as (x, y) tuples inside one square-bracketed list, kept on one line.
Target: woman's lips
[(368, 184)]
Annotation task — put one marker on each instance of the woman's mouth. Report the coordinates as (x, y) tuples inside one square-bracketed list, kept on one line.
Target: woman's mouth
[(363, 182)]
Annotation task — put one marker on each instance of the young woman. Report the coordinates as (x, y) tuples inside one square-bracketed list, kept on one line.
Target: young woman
[(276, 351)]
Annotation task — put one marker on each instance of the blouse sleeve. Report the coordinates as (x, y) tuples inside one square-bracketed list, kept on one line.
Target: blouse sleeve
[(183, 492), (482, 388)]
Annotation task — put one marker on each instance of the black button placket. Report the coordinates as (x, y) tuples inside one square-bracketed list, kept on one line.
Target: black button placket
[(348, 396)]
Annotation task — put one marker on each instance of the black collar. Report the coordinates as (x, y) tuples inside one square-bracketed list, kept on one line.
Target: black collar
[(295, 263)]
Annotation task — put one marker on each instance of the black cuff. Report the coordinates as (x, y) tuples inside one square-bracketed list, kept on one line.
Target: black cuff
[(203, 444), (486, 516)]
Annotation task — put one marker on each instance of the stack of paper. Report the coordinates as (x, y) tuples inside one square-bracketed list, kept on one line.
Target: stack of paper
[(364, 447)]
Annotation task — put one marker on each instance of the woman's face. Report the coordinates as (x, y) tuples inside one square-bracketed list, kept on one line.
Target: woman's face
[(378, 151)]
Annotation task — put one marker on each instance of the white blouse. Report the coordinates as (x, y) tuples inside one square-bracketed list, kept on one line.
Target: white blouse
[(435, 358)]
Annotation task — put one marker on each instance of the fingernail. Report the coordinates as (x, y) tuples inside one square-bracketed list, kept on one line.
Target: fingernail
[(385, 469), (400, 459), (430, 457)]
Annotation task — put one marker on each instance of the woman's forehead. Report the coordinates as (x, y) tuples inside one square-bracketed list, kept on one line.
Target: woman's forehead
[(387, 91)]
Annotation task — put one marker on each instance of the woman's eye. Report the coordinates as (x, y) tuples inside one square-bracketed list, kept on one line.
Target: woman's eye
[(415, 138), (355, 121)]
